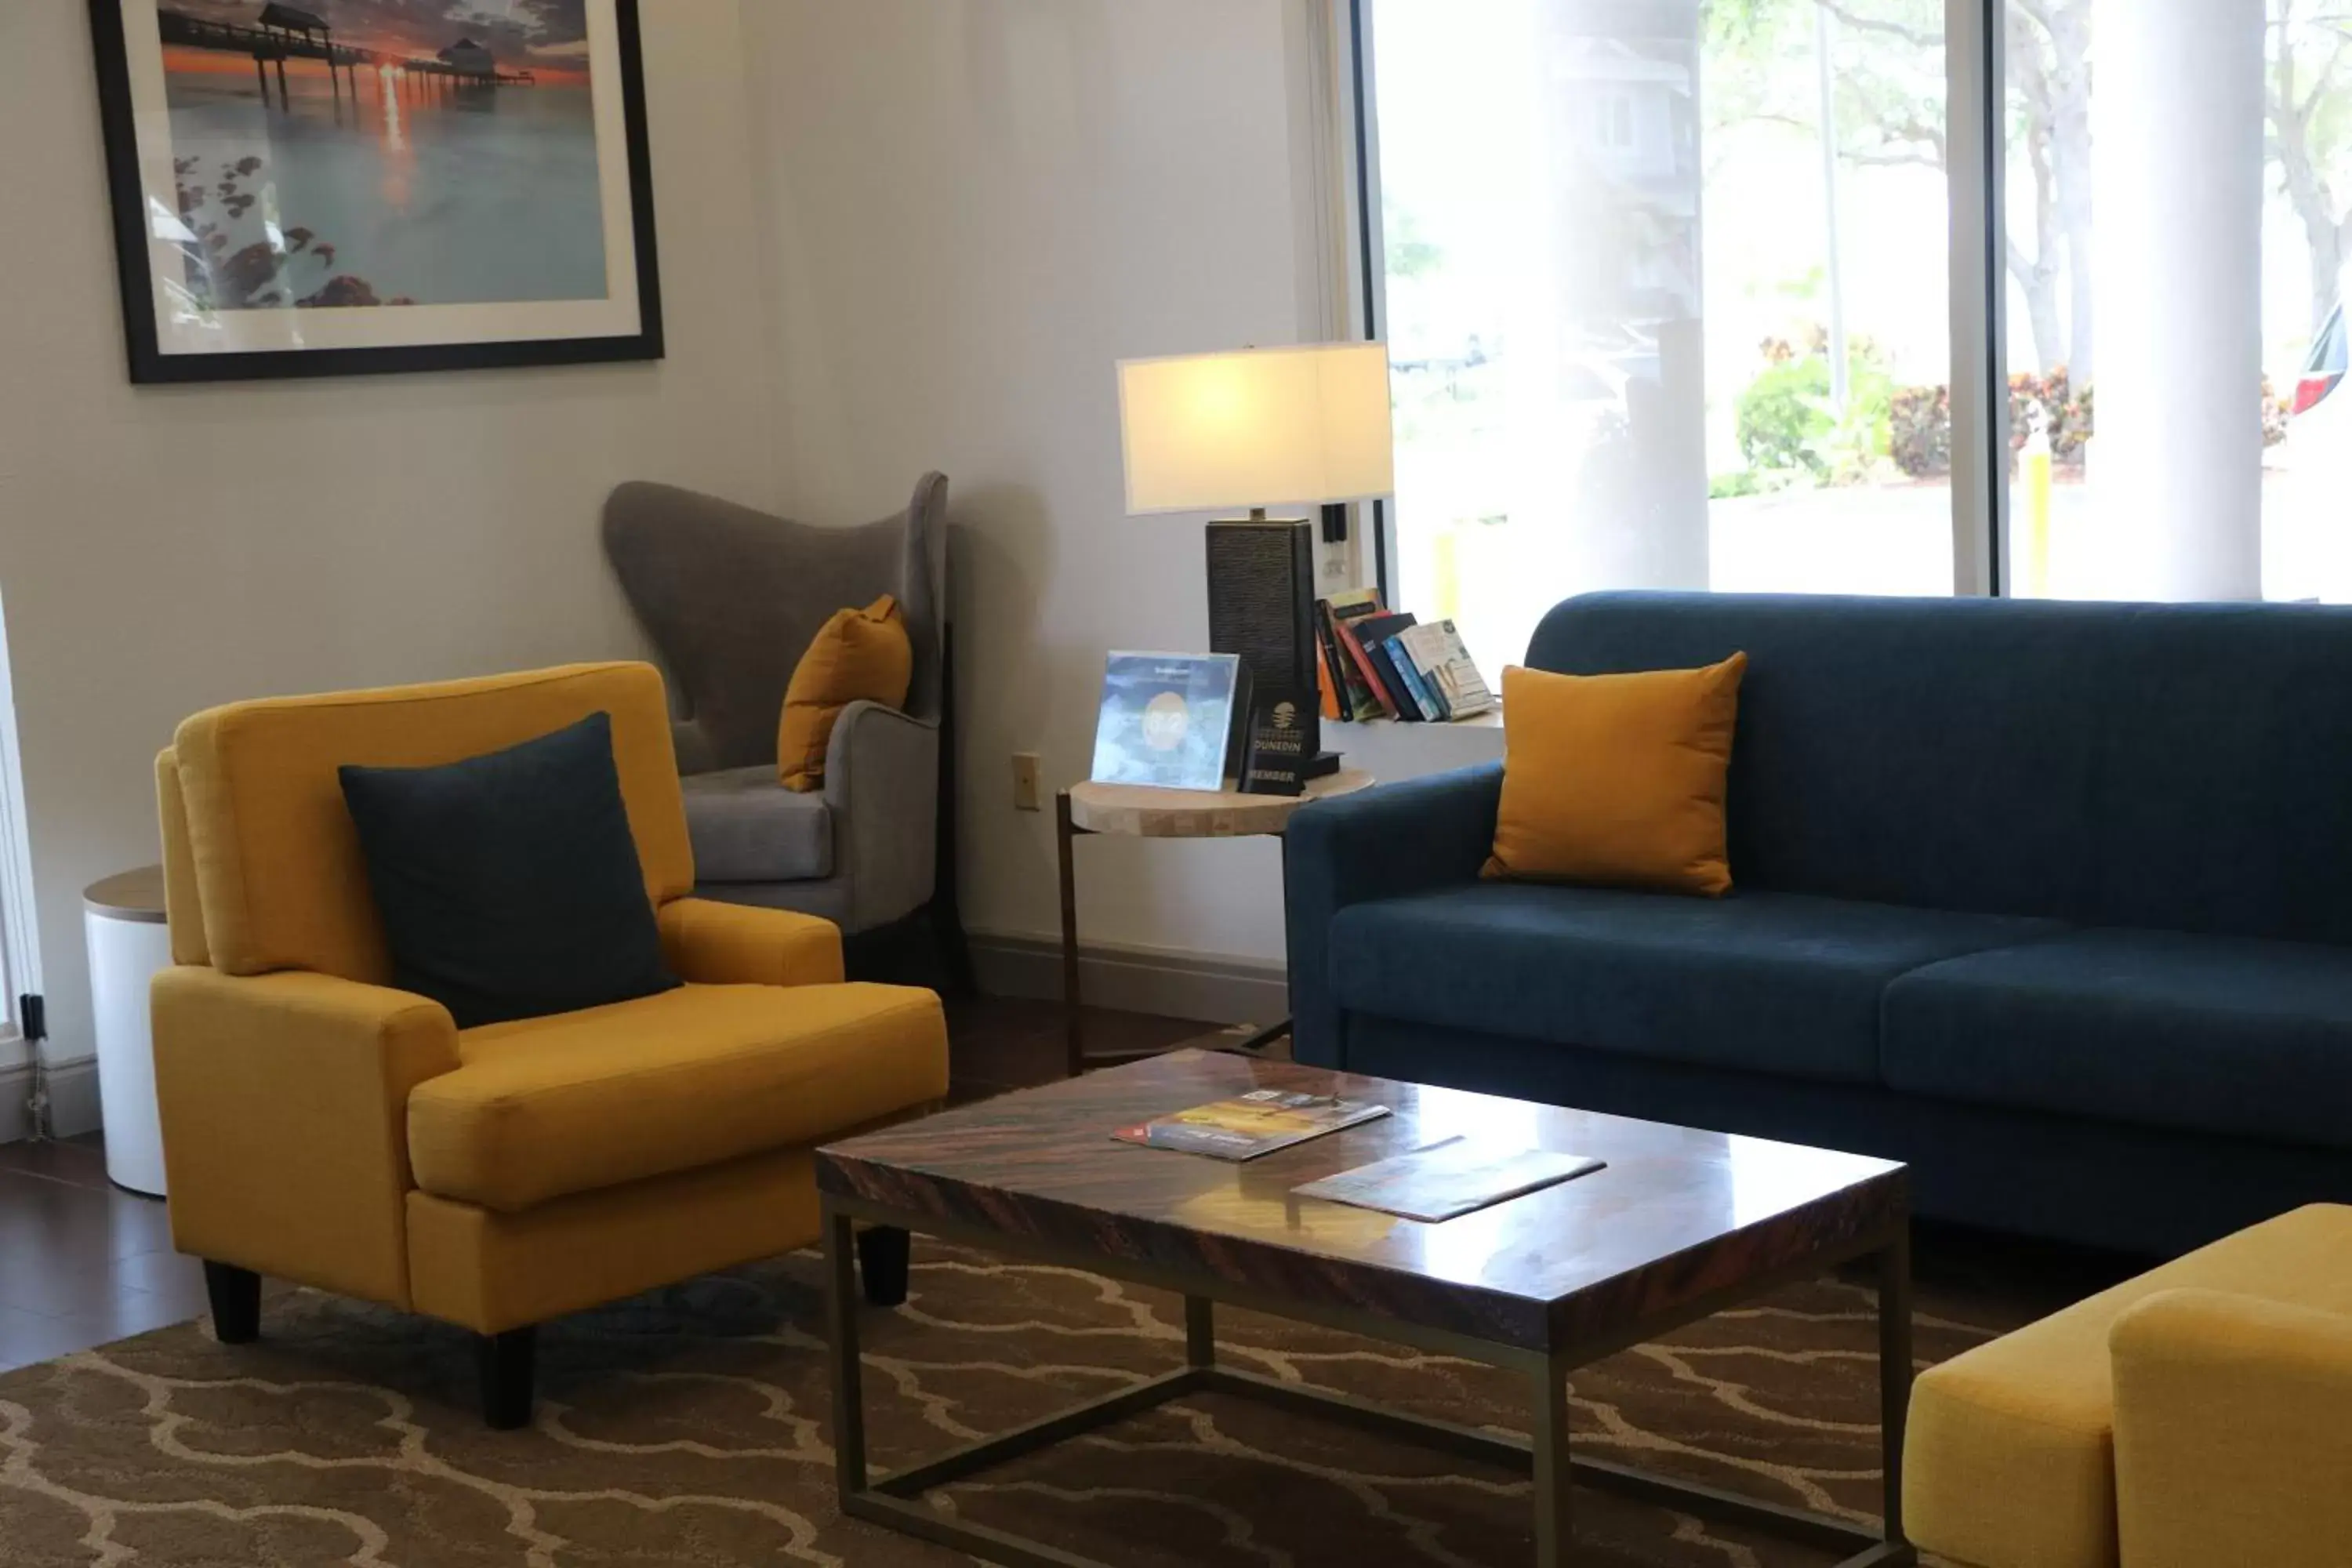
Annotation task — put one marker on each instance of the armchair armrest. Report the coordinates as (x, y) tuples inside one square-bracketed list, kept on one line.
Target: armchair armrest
[(712, 943), (882, 786), (2232, 1440), (1377, 843), (285, 1110)]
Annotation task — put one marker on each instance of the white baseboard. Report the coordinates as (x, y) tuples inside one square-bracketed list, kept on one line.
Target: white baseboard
[(73, 1100), (1136, 980)]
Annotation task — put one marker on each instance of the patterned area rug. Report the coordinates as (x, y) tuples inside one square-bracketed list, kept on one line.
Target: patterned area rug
[(689, 1427)]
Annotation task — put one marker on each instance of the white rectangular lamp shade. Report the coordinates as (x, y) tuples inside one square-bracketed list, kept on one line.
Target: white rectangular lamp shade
[(1258, 427)]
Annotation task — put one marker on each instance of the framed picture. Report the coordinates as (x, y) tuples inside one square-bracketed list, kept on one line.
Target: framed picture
[(1167, 718), (344, 187)]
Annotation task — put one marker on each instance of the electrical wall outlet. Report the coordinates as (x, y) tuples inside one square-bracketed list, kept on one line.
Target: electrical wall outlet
[(1026, 767)]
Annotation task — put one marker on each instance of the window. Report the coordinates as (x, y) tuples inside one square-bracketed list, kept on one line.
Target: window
[(1670, 289), (20, 959), (2176, 241), (1664, 287), (1612, 123)]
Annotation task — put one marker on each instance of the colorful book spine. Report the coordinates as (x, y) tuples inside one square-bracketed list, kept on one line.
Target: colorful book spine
[(1438, 651), (1424, 695), (1400, 693), (1354, 699), (1376, 690), (1343, 679)]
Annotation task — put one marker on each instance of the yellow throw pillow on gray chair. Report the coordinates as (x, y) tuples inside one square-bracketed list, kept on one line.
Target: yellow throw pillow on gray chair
[(859, 656)]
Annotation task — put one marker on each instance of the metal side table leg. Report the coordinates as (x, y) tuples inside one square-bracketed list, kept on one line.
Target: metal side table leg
[(1074, 1029)]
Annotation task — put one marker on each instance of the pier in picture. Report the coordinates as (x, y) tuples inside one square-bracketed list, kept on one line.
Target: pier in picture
[(354, 152), (311, 168)]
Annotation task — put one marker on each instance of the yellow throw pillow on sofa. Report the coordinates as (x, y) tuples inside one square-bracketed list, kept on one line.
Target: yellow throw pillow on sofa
[(1618, 780), (858, 656)]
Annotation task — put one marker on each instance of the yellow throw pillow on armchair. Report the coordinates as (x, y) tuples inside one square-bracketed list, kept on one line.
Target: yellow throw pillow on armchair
[(1618, 780), (857, 656)]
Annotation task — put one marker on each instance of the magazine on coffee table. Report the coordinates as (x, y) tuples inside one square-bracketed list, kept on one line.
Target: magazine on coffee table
[(1451, 1178), (1251, 1125)]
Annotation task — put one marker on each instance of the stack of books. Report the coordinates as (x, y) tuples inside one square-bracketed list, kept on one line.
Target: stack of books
[(1376, 665)]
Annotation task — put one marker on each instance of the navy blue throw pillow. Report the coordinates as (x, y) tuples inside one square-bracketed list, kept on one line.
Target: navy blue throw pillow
[(509, 884)]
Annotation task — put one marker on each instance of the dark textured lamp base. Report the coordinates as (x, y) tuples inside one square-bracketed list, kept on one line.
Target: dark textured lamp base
[(1262, 606)]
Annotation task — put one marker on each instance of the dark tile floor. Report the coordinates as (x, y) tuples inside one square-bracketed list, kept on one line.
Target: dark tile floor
[(84, 1263), (999, 1042), (81, 1261)]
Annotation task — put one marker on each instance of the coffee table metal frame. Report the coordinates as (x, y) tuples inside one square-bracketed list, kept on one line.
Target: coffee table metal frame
[(897, 1500)]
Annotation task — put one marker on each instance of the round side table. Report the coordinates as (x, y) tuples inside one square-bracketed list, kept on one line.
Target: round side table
[(1139, 811), (122, 918)]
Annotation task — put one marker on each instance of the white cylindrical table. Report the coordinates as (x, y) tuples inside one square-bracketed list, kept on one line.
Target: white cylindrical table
[(1139, 811), (123, 920)]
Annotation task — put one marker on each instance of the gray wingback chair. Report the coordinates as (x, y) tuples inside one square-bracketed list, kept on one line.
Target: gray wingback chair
[(731, 598)]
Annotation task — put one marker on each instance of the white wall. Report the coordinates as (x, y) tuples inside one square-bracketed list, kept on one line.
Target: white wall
[(979, 205), (164, 549), (896, 235)]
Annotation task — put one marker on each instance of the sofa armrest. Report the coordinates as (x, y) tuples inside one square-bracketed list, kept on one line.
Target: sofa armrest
[(1378, 843), (712, 943), (882, 784), (2233, 1443), (285, 1110)]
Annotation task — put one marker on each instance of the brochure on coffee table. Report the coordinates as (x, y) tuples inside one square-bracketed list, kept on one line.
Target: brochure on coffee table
[(1253, 1124), (1451, 1178)]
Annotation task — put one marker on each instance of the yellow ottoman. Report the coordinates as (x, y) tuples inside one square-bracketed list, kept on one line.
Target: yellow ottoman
[(2010, 1461)]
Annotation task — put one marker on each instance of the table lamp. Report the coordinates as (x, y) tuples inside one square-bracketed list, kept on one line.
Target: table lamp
[(1258, 429)]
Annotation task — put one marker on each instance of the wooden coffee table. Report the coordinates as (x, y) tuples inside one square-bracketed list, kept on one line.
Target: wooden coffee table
[(1681, 1224)]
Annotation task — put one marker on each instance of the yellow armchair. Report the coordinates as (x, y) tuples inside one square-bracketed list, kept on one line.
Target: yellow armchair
[(2233, 1432), (712, 943), (283, 1088), (322, 1127), (2195, 1416)]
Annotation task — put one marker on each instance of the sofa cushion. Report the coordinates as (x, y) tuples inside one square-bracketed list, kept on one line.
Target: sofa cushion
[(548, 1107), (2229, 1035), (748, 828), (2009, 1459), (1778, 982)]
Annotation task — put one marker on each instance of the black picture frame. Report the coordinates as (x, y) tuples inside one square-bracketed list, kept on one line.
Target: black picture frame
[(150, 365)]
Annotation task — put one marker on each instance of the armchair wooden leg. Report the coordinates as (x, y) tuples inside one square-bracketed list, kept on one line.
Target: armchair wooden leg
[(882, 1259), (506, 1362), (237, 1303)]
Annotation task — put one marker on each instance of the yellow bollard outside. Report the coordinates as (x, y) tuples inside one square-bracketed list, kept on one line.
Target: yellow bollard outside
[(1446, 579), (2038, 464)]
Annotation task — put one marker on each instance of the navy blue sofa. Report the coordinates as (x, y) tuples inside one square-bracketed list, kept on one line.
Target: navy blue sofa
[(2053, 901)]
